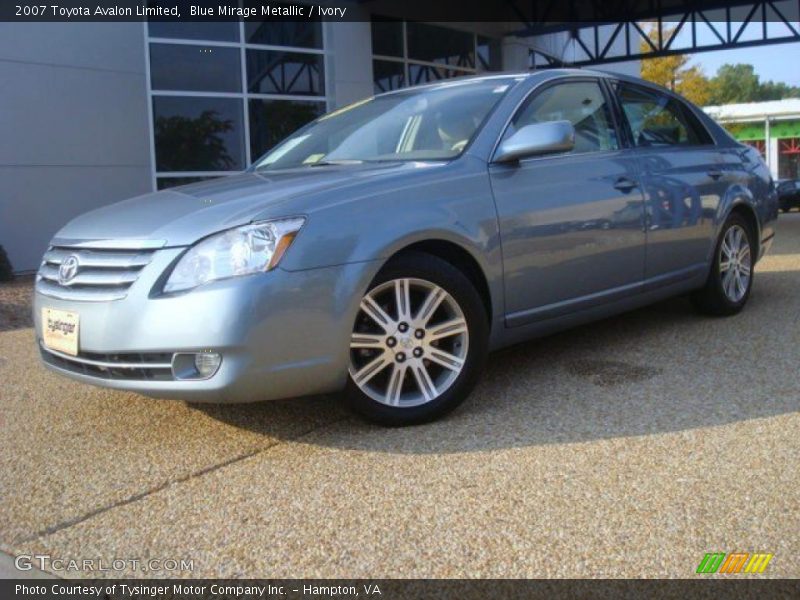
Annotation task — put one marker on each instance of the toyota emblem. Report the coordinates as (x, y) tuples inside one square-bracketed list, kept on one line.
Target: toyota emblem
[(68, 270)]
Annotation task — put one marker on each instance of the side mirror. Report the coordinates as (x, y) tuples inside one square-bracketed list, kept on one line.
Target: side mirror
[(537, 139)]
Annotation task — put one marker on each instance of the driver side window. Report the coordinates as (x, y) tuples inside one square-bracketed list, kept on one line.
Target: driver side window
[(582, 103)]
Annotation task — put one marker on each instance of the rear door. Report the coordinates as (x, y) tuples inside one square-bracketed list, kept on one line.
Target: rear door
[(683, 177), (571, 224)]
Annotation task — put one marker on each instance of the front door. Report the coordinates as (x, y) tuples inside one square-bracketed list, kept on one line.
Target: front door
[(571, 225)]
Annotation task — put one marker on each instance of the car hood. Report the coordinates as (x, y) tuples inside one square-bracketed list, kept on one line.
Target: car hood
[(180, 216)]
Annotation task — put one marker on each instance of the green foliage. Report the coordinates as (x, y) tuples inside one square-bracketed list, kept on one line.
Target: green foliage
[(740, 83), (777, 90), (6, 270), (733, 84)]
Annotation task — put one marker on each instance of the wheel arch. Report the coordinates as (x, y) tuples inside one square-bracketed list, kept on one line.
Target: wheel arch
[(748, 213), (740, 200), (460, 258)]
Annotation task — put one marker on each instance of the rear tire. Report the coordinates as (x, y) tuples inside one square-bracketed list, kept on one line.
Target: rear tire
[(424, 327), (731, 278)]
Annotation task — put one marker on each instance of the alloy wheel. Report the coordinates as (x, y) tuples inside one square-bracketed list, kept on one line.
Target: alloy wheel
[(735, 263), (409, 344)]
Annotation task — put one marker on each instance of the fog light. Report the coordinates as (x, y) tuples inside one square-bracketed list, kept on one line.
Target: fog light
[(195, 365), (207, 363)]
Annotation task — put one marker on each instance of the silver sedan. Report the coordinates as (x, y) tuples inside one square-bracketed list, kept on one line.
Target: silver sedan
[(388, 246)]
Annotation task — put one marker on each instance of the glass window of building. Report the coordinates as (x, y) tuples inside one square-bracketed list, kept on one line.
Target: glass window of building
[(388, 75), (168, 182), (198, 134), (387, 37), (293, 73), (222, 94), (407, 53), (195, 68), (227, 31), (300, 34), (435, 44), (273, 120)]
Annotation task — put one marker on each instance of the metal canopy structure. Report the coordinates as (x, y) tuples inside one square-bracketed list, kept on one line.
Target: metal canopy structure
[(607, 31), (756, 23)]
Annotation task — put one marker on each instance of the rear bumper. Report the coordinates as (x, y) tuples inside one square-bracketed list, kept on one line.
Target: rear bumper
[(281, 334)]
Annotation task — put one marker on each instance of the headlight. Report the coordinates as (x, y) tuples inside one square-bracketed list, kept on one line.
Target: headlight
[(249, 249)]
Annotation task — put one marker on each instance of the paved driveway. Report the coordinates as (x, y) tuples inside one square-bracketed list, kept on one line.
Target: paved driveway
[(629, 447)]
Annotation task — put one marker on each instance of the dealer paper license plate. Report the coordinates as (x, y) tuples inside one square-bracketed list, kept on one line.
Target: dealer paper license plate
[(60, 330)]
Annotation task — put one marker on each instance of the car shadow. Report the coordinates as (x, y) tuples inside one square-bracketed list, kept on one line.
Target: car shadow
[(660, 369)]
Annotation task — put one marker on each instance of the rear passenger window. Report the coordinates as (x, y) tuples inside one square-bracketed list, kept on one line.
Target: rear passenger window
[(656, 119), (582, 103)]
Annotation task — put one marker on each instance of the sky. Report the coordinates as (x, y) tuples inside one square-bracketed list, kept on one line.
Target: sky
[(778, 62)]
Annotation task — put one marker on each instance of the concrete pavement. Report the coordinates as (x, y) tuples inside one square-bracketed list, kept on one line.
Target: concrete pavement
[(626, 448)]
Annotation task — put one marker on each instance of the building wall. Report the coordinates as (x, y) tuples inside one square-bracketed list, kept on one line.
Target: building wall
[(73, 125)]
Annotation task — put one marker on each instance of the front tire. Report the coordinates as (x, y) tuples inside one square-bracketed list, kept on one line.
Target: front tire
[(419, 342), (731, 278)]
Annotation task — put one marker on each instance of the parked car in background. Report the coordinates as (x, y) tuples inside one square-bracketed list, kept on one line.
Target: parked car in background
[(788, 194), (388, 246)]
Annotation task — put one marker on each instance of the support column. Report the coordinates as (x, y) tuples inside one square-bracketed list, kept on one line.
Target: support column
[(348, 64), (771, 149), (515, 54)]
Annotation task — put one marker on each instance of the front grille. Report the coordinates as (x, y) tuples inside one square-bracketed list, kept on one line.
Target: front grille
[(128, 367), (102, 274)]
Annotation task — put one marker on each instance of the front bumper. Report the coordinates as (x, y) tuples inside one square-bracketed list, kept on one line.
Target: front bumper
[(281, 334)]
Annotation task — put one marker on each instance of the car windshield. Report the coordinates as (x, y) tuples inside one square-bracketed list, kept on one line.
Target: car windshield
[(429, 123)]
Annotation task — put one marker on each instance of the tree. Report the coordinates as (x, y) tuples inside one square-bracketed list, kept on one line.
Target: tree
[(694, 86), (777, 90), (740, 83), (735, 83), (674, 72)]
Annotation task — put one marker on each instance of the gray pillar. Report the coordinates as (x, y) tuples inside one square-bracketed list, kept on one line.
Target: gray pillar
[(348, 49)]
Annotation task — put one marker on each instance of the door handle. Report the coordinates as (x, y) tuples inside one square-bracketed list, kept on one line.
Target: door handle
[(624, 184), (714, 173)]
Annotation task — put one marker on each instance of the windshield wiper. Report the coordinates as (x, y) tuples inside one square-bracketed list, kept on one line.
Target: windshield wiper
[(337, 162)]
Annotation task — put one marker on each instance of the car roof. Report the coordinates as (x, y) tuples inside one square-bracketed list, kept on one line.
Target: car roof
[(542, 73)]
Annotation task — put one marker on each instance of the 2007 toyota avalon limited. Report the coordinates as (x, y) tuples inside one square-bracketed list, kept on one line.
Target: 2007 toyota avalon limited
[(388, 246)]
